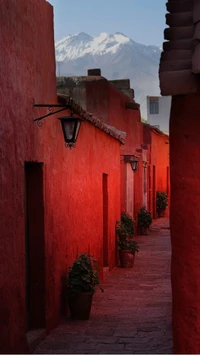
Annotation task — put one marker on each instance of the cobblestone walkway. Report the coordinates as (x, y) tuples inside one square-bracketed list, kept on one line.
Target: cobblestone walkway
[(133, 316)]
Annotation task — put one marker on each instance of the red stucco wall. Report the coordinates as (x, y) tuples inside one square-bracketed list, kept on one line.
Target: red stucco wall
[(109, 104), (185, 222), (73, 210), (105, 101), (160, 159), (158, 153)]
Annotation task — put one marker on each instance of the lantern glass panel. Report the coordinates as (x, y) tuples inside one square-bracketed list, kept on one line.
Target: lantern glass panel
[(69, 127), (134, 165), (77, 130)]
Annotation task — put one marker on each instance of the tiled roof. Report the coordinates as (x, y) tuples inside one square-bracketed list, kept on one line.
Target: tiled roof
[(110, 130), (156, 130)]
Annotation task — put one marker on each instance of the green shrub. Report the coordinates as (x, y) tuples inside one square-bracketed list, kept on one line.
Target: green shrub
[(161, 201), (83, 275), (126, 225), (144, 218), (125, 231)]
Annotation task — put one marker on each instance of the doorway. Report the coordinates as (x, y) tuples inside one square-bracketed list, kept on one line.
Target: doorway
[(167, 188), (154, 193), (129, 190), (145, 184), (105, 219), (34, 246), (150, 190)]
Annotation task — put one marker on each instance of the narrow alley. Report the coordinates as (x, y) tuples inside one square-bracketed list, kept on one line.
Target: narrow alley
[(133, 315)]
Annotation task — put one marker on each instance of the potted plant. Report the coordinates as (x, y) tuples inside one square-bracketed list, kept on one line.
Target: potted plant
[(127, 246), (161, 202), (81, 285), (144, 220)]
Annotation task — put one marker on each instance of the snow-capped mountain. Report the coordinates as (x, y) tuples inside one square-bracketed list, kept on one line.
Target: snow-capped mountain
[(72, 47), (117, 55)]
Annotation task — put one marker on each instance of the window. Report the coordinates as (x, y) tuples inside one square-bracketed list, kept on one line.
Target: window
[(154, 106)]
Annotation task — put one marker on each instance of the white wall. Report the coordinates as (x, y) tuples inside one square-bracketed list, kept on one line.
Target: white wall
[(162, 118)]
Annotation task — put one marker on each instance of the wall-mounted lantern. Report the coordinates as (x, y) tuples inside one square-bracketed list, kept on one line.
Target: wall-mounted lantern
[(133, 160), (70, 127), (134, 164), (70, 124)]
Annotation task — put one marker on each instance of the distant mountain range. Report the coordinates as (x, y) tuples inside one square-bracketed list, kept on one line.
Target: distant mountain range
[(118, 56)]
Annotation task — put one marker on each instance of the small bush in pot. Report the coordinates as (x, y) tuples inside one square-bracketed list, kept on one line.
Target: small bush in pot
[(81, 285), (161, 202), (144, 220), (127, 246)]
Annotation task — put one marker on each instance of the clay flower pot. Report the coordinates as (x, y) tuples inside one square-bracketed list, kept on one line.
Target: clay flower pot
[(82, 281), (126, 258), (80, 305)]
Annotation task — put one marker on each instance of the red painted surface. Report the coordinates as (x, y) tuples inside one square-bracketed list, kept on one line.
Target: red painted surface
[(158, 152), (150, 146), (73, 197), (185, 222), (106, 102), (35, 245), (160, 158)]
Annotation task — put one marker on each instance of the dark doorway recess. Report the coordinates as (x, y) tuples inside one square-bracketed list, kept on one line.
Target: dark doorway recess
[(154, 193), (105, 219), (35, 246)]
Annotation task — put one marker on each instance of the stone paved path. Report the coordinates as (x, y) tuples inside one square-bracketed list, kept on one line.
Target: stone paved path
[(133, 316)]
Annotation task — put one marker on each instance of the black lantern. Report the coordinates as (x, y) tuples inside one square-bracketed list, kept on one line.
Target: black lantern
[(70, 124), (70, 127), (133, 160), (134, 164)]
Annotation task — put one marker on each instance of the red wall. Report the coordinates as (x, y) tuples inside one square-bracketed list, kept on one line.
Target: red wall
[(185, 222), (73, 210), (109, 104), (160, 159), (158, 153), (106, 102)]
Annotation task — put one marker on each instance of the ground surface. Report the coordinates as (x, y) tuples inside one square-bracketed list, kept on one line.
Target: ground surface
[(133, 316)]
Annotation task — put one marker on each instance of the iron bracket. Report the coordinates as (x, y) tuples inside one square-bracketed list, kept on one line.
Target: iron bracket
[(51, 109)]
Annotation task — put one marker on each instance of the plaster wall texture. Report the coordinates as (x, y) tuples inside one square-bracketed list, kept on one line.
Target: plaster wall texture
[(75, 87), (105, 101), (72, 180), (109, 103), (158, 157), (185, 223), (27, 48)]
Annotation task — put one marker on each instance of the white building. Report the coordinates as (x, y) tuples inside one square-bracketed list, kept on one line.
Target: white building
[(158, 112)]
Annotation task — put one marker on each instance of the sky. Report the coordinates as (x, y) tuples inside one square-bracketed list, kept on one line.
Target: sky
[(141, 20)]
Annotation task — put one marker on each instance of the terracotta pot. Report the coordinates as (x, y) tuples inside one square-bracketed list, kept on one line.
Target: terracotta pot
[(143, 230), (80, 305), (126, 258)]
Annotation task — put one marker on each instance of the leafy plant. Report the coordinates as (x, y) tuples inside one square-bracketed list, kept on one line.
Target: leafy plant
[(144, 218), (128, 244), (83, 275), (125, 231), (161, 201), (125, 227)]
